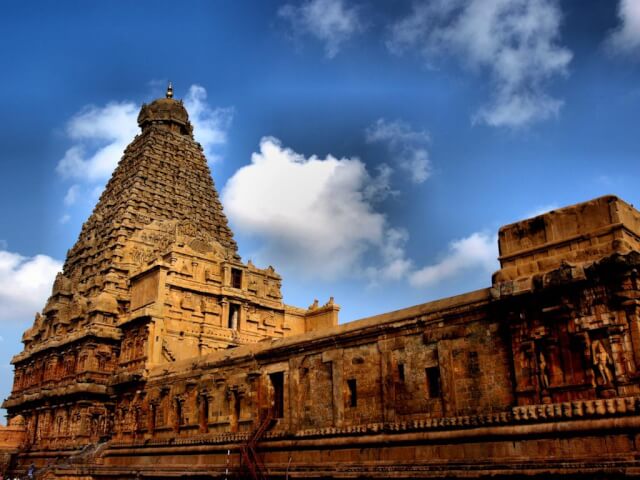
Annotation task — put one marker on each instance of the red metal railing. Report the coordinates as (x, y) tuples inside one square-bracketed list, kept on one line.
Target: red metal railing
[(249, 456)]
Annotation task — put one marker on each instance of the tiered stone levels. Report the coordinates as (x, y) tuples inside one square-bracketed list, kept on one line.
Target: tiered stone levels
[(154, 277)]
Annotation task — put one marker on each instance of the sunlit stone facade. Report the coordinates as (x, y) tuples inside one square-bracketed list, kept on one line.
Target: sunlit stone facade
[(160, 353)]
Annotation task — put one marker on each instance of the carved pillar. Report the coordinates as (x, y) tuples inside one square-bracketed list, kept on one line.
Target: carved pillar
[(387, 385), (633, 320), (46, 430), (254, 400), (177, 414), (84, 429), (618, 353), (234, 409), (151, 419), (337, 376), (224, 314), (295, 397), (203, 412)]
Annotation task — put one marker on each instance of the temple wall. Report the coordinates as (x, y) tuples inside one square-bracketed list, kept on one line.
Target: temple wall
[(408, 368)]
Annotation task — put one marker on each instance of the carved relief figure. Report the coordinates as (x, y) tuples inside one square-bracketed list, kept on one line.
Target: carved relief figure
[(543, 371), (602, 362)]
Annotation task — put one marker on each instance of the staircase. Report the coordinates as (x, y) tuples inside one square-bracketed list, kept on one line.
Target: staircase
[(249, 457)]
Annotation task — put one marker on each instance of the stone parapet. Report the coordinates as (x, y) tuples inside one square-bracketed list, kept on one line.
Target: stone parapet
[(571, 236)]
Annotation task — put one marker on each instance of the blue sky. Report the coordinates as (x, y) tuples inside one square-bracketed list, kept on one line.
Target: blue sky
[(368, 150)]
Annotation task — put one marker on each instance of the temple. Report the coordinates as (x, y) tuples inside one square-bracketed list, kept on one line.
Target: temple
[(160, 353)]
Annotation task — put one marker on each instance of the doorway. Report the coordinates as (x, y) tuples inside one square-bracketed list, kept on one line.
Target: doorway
[(277, 400)]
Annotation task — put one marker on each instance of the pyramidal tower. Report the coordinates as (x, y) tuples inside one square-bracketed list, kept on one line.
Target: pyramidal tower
[(154, 277)]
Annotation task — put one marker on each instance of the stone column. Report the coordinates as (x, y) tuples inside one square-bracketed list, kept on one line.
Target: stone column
[(203, 414), (224, 313), (294, 402), (617, 353), (151, 419), (387, 384), (633, 320), (337, 375)]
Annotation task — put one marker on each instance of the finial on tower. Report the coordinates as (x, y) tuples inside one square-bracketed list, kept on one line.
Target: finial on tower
[(170, 91)]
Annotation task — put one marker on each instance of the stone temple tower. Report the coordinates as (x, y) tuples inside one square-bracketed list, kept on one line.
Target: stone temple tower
[(155, 277)]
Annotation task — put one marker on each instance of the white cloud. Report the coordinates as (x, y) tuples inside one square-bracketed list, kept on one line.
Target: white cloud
[(72, 195), (64, 219), (315, 216), (625, 39), (479, 251), (210, 125), (100, 135), (379, 187), (515, 41), (25, 284), (406, 146), (395, 265), (329, 21)]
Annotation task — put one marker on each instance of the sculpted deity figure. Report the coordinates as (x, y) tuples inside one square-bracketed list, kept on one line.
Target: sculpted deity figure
[(543, 371), (602, 362)]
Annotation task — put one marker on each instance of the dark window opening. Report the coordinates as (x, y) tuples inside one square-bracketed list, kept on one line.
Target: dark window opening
[(236, 407), (401, 372), (433, 382), (236, 278), (277, 402), (179, 417), (204, 421), (234, 313), (353, 392)]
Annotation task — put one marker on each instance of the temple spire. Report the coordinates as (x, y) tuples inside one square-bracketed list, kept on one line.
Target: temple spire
[(170, 90)]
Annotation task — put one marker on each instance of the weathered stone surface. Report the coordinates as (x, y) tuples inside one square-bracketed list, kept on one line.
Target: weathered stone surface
[(161, 354)]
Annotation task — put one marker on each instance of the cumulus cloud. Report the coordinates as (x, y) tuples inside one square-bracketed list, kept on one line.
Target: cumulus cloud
[(210, 125), (329, 21), (72, 195), (479, 251), (395, 265), (315, 216), (406, 146), (625, 39), (100, 135), (25, 284), (515, 41)]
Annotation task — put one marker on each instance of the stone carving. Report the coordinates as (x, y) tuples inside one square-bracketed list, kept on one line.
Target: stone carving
[(543, 371), (210, 305), (602, 363)]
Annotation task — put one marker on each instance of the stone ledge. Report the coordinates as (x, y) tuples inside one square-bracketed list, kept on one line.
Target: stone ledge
[(581, 409), (56, 392), (102, 331)]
